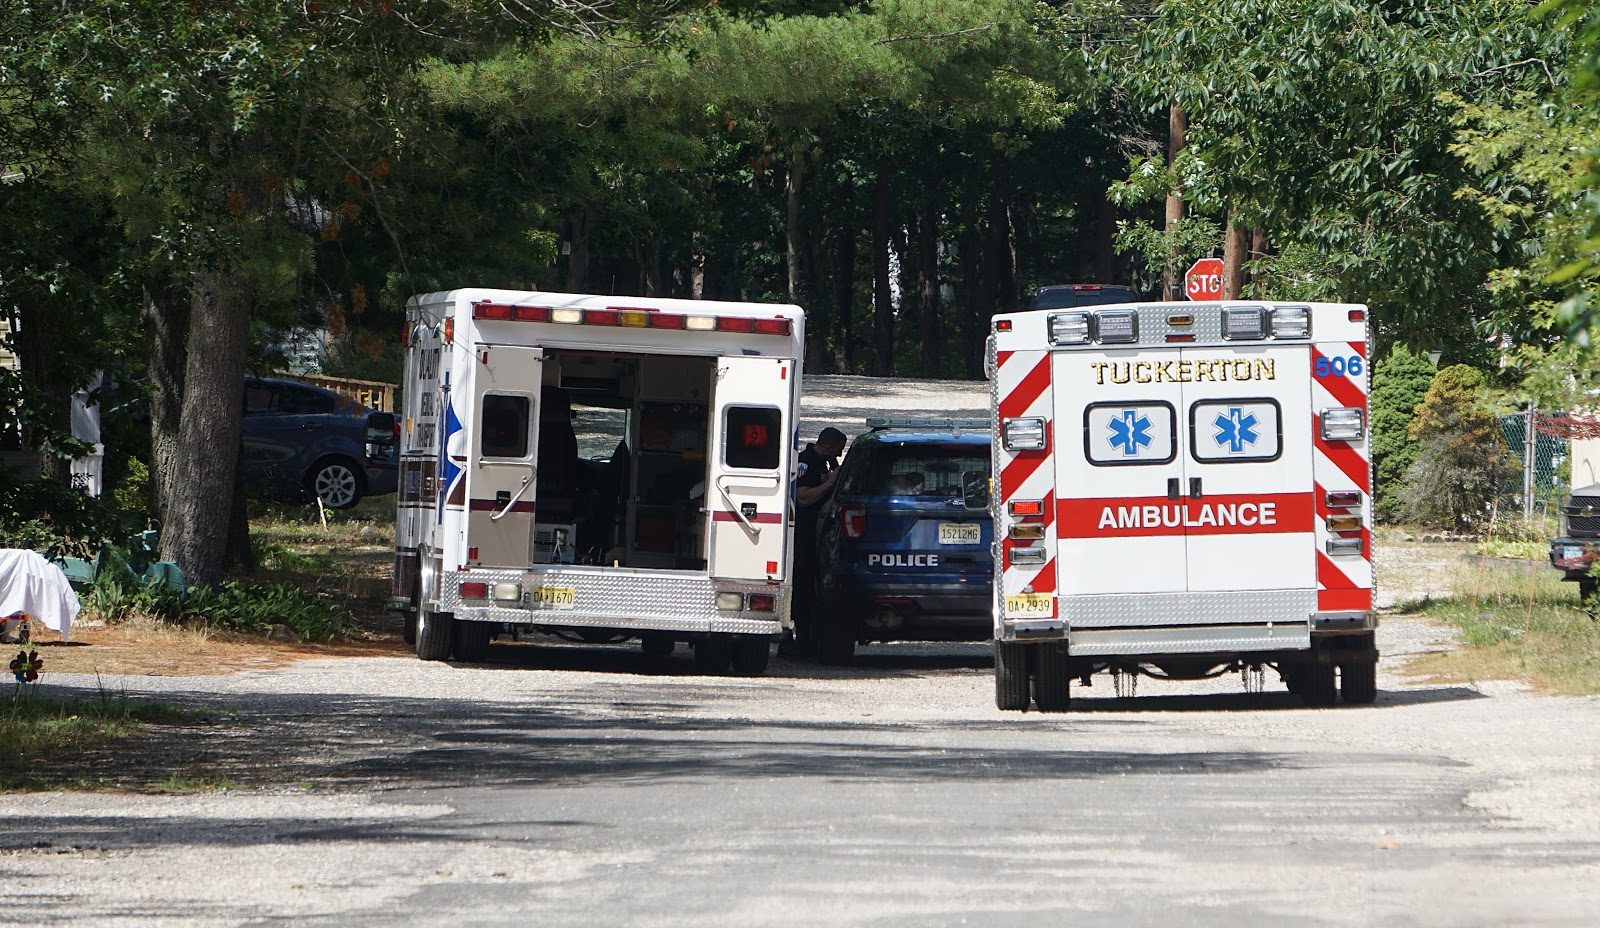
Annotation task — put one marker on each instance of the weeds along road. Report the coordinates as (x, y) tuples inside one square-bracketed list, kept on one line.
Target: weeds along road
[(597, 786)]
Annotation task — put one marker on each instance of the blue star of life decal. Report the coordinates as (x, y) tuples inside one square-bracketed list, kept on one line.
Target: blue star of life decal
[(1130, 432), (1235, 429)]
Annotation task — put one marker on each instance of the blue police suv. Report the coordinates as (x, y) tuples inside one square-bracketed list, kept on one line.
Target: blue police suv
[(903, 544)]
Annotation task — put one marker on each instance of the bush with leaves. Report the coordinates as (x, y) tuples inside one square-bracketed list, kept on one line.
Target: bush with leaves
[(1461, 456), (55, 520), (1399, 383), (230, 605)]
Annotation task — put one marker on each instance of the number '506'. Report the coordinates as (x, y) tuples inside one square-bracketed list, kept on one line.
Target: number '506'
[(1338, 367)]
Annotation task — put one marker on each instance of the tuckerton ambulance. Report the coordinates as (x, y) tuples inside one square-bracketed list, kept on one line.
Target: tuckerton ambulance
[(597, 468), (1183, 491)]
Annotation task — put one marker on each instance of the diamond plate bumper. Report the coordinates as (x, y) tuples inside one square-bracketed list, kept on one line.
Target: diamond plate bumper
[(1132, 642), (623, 598)]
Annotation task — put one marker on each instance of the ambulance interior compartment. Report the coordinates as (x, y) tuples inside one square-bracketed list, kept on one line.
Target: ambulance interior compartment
[(622, 459)]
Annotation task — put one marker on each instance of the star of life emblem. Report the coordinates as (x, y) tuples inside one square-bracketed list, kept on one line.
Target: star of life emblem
[(1130, 432), (1236, 429)]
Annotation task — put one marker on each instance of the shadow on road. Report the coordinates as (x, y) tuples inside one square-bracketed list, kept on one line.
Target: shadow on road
[(1272, 699), (873, 662)]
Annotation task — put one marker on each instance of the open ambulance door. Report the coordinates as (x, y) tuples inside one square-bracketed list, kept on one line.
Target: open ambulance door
[(747, 492), (502, 456)]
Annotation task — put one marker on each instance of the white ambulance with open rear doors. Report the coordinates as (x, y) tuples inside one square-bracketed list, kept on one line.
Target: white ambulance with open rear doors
[(598, 468), (1183, 490)]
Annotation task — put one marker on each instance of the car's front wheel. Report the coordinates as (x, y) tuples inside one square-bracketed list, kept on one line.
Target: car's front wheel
[(337, 482)]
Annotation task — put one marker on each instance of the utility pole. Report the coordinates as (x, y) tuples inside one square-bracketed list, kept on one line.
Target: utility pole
[(1530, 447)]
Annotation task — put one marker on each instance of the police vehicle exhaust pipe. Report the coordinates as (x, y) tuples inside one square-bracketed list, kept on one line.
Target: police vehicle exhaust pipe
[(886, 616)]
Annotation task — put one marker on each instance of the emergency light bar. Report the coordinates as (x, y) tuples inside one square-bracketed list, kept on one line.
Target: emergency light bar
[(1243, 323), (629, 317), (1023, 434)]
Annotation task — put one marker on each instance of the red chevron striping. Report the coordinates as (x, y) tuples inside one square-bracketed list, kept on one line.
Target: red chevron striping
[(1344, 391), (1354, 600), (1359, 348), (1348, 459), (1028, 389), (1045, 582), (1020, 469), (1330, 577), (1000, 357)]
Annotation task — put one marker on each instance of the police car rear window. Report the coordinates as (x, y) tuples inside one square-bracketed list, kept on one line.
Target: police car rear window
[(931, 470)]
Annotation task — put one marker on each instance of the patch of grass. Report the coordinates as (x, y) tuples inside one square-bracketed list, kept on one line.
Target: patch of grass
[(1517, 623), (1521, 549), (182, 784), (36, 730)]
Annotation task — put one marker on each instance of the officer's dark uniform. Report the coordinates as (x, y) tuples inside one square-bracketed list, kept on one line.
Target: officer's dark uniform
[(805, 540)]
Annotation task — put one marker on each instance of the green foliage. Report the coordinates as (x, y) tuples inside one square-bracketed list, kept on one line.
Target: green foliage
[(1399, 383), (1461, 458), (34, 731), (229, 605), (132, 494), (55, 520)]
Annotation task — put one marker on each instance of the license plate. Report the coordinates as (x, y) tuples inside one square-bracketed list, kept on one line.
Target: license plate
[(1030, 606), (554, 597), (960, 533), (1569, 552)]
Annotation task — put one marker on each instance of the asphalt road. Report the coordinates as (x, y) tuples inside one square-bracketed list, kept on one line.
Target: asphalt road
[(597, 786)]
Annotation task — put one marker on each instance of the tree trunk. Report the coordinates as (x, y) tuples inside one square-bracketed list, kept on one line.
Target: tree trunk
[(578, 260), (844, 298), (166, 319), (819, 309), (1102, 223), (206, 455), (44, 376), (974, 321), (1172, 278), (929, 336), (882, 296), (791, 224), (1234, 243), (1258, 249)]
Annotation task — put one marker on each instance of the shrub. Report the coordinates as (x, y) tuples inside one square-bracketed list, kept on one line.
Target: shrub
[(1461, 456), (230, 605), (1399, 383), (55, 520)]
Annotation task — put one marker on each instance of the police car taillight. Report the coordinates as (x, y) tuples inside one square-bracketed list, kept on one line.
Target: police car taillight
[(1344, 424), (1243, 323), (853, 521), (1022, 434), (1069, 329)]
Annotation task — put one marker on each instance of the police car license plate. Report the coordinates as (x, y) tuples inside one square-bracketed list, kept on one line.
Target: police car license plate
[(554, 597), (959, 533), (1030, 606)]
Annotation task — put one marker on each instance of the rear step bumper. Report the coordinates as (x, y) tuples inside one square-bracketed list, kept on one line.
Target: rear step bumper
[(621, 598)]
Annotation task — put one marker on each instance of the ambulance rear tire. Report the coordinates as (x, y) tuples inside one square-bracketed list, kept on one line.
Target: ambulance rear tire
[(1317, 688), (1358, 681), (1010, 676), (472, 641), (1051, 685), (713, 654), (657, 645), (434, 634), (751, 653)]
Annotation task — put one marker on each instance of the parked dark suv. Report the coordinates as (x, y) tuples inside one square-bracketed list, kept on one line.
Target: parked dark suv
[(1071, 296), (1579, 544), (903, 544), (302, 442)]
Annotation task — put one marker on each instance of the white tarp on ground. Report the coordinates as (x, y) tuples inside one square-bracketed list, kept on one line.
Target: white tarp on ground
[(33, 585)]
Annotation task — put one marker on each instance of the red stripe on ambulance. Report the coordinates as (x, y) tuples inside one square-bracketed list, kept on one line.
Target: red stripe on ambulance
[(1239, 514)]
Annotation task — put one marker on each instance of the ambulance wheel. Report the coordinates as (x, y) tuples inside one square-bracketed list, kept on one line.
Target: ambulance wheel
[(434, 634), (1358, 682), (1317, 684), (657, 645), (751, 654), (472, 641), (1051, 686), (1010, 676), (713, 654)]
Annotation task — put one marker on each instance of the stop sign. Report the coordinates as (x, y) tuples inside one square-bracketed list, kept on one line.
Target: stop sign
[(1204, 280)]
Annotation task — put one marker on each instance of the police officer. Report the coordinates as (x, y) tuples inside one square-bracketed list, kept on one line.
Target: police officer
[(819, 467)]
